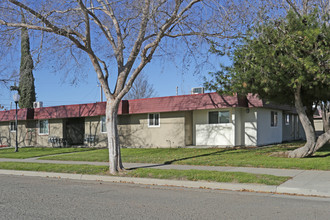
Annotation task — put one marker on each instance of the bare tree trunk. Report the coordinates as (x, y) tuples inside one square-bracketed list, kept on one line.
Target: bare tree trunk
[(115, 163), (325, 107), (310, 112), (312, 144), (308, 148)]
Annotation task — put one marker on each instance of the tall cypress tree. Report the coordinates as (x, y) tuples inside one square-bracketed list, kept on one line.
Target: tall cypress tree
[(26, 79)]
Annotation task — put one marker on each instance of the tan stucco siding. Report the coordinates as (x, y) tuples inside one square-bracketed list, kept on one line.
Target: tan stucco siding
[(135, 132), (55, 129), (93, 127), (188, 128), (5, 134), (25, 135)]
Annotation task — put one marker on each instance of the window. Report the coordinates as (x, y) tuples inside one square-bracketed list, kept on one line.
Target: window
[(287, 119), (13, 126), (153, 120), (43, 127), (219, 117), (273, 122), (103, 125)]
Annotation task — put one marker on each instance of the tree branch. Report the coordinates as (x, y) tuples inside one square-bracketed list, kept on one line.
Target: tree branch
[(107, 9), (293, 7), (52, 27), (123, 73), (87, 31)]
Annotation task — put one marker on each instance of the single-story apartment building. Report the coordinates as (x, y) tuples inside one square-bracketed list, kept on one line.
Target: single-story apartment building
[(207, 119)]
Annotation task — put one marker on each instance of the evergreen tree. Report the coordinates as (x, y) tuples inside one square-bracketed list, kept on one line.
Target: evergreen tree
[(26, 87), (287, 61)]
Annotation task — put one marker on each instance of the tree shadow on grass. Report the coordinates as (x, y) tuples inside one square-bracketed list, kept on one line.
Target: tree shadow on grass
[(219, 152), (325, 148), (320, 156)]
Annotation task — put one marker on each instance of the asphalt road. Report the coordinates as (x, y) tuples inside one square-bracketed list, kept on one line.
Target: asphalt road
[(45, 198)]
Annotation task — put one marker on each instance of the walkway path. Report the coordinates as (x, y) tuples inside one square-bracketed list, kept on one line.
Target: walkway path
[(303, 182)]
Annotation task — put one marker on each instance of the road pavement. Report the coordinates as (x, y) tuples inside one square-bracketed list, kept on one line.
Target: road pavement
[(302, 182), (47, 198)]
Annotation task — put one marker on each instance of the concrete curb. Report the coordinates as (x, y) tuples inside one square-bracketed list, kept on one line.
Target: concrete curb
[(148, 181), (301, 191), (282, 189)]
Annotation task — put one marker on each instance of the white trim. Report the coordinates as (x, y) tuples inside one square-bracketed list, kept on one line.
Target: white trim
[(154, 126), (287, 116), (274, 119), (222, 110), (39, 127), (10, 126), (101, 122)]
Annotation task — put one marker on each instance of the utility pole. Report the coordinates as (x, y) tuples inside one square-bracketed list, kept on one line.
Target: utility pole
[(101, 92), (16, 99)]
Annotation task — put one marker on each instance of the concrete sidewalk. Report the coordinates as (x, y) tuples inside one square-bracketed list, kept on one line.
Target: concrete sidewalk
[(303, 182)]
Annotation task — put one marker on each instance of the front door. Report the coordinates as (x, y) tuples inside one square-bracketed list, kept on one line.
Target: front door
[(75, 131)]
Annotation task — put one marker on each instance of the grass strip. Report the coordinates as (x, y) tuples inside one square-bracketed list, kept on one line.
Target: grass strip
[(56, 168), (210, 176), (29, 152), (193, 175), (97, 155), (248, 157)]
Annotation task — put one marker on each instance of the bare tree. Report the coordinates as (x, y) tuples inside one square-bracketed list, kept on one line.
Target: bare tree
[(141, 88), (121, 37)]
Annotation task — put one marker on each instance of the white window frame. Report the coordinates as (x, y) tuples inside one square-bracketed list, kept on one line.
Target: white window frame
[(273, 119), (103, 121), (10, 126), (287, 119), (153, 125), (219, 122), (39, 128)]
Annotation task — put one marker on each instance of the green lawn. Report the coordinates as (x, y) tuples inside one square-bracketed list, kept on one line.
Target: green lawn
[(213, 176), (29, 152), (193, 175), (252, 157)]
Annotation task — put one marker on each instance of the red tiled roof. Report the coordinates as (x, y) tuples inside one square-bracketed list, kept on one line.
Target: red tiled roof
[(22, 114), (138, 106), (183, 103), (70, 111)]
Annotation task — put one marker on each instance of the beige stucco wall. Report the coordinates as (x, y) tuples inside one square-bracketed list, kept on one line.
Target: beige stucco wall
[(175, 130), (93, 127), (25, 136), (135, 132), (188, 128), (28, 133), (55, 129)]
